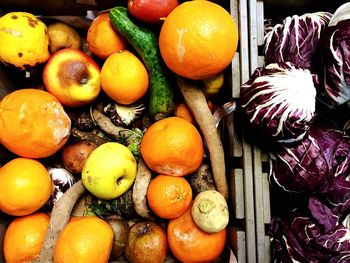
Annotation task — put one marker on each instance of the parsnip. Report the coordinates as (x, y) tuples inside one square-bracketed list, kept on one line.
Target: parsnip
[(60, 216), (196, 101)]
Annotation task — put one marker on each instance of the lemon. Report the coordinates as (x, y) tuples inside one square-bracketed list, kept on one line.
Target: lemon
[(213, 84)]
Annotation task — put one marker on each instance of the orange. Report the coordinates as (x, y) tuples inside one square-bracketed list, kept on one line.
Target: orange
[(25, 186), (124, 78), (183, 111), (169, 196), (189, 243), (24, 237), (33, 123), (172, 146), (102, 39), (87, 239), (198, 39)]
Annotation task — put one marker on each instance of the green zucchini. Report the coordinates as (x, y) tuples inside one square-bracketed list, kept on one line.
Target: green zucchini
[(145, 43)]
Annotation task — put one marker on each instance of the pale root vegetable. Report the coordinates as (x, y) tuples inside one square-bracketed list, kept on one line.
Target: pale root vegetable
[(196, 101), (210, 211), (139, 193), (60, 216)]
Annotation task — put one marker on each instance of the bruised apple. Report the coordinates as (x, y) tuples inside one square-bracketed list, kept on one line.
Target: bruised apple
[(72, 77), (147, 243), (74, 155)]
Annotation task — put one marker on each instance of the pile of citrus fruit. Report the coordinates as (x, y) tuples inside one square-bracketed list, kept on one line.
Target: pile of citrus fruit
[(97, 107)]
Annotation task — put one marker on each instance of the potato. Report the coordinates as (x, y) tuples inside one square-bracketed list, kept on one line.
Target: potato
[(62, 36)]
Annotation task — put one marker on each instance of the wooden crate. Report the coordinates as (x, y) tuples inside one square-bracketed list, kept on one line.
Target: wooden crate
[(249, 204), (248, 181)]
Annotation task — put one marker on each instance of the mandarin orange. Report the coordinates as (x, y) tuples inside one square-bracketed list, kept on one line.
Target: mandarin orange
[(172, 146), (198, 39), (24, 237), (25, 186), (183, 111), (102, 39), (124, 77), (84, 239), (189, 243), (33, 123), (169, 196)]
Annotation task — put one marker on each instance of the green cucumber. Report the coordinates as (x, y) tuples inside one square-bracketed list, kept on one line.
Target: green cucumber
[(145, 43)]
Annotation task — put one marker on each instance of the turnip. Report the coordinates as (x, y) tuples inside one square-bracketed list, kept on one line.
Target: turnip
[(210, 211)]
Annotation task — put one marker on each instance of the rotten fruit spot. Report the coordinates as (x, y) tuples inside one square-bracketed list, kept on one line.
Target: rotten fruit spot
[(32, 22), (14, 17), (72, 72), (20, 54), (119, 180)]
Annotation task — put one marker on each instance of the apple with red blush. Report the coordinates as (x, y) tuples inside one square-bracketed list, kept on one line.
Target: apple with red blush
[(72, 77)]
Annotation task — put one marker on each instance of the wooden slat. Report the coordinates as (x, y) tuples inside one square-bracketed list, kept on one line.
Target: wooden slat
[(249, 202), (266, 198), (267, 249), (243, 39), (234, 143), (241, 247), (237, 190), (253, 35), (235, 65), (259, 206), (236, 75), (260, 22)]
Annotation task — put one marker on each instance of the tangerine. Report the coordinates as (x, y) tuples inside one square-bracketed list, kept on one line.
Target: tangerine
[(183, 111), (124, 77), (24, 237), (198, 39), (189, 243), (169, 196), (102, 39), (33, 123), (86, 239), (172, 146), (25, 186)]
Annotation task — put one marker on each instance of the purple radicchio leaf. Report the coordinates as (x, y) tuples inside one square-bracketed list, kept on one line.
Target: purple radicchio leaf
[(335, 146), (319, 163), (315, 235), (296, 40), (335, 52), (279, 99)]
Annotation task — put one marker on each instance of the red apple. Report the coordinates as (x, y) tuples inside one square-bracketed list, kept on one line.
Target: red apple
[(72, 77), (151, 11), (147, 243)]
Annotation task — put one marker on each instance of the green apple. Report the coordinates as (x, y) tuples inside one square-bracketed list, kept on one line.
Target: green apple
[(109, 171)]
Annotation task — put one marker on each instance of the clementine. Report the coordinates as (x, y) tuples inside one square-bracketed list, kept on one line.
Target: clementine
[(124, 77), (24, 237), (169, 196), (33, 123), (87, 239), (198, 39), (189, 243), (102, 39), (183, 111), (25, 186), (172, 146)]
